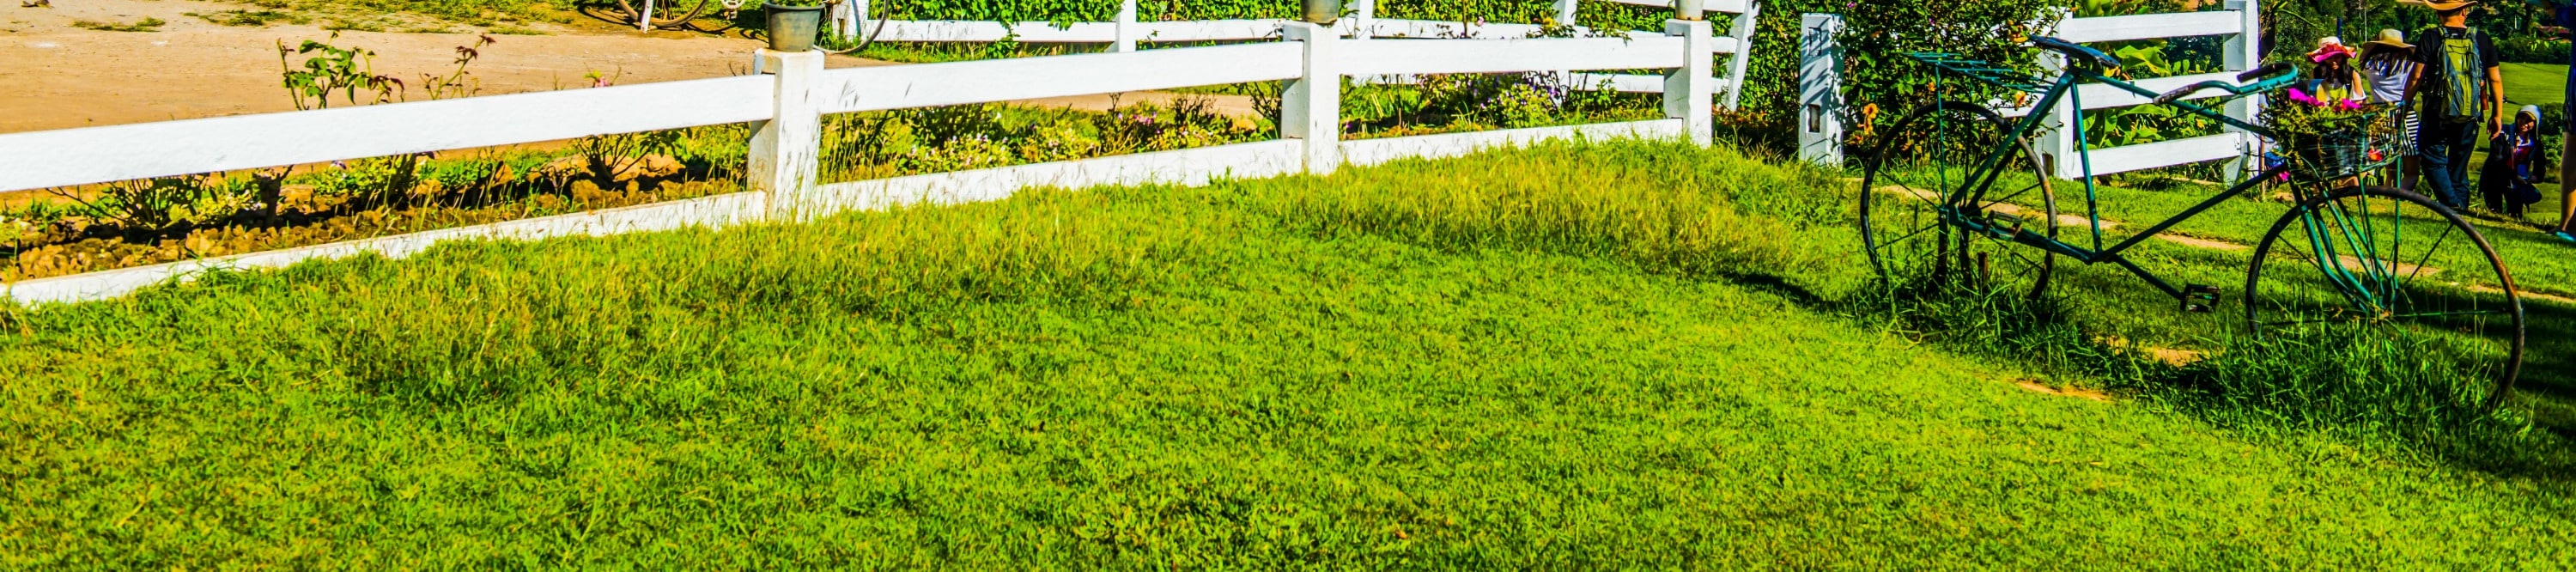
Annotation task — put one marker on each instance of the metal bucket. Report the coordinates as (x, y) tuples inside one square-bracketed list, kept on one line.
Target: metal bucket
[(793, 28), (1321, 11)]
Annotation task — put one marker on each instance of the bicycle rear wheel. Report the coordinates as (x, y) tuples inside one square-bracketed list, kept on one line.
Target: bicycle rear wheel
[(1956, 158), (666, 12), (2393, 260)]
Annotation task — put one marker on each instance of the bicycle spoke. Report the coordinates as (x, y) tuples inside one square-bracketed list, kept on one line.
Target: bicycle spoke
[(2428, 253), (1906, 237), (2012, 199), (1910, 189)]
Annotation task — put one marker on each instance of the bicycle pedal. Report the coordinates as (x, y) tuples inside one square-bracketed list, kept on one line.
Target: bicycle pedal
[(2199, 298)]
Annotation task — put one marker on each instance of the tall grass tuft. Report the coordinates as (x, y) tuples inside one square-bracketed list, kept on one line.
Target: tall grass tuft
[(466, 337), (1712, 213)]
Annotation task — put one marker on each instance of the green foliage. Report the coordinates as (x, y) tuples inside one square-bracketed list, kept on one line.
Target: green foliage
[(478, 12), (332, 71), (1462, 102), (254, 18), (144, 25), (1598, 15), (1880, 84), (938, 139), (2148, 123), (605, 158), (158, 204), (2533, 50)]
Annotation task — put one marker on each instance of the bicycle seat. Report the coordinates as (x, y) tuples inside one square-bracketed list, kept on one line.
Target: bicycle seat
[(2077, 53)]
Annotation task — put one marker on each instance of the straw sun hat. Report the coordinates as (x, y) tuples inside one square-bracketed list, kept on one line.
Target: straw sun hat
[(2389, 38)]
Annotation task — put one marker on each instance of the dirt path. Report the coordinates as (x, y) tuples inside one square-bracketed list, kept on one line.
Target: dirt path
[(59, 76)]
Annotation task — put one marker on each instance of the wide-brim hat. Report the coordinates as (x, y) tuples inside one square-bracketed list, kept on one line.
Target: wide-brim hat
[(2389, 38), (2441, 6), (2329, 48)]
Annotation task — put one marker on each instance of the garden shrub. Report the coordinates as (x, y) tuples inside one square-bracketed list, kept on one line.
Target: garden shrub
[(1879, 83)]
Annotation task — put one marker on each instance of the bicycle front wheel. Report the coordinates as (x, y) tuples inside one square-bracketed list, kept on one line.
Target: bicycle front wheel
[(2394, 261)]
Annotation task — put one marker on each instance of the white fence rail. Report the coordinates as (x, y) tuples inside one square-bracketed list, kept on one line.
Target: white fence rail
[(1820, 131), (1126, 33), (789, 102), (2240, 22)]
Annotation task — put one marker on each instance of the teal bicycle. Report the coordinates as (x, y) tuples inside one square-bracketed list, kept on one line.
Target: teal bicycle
[(1955, 196)]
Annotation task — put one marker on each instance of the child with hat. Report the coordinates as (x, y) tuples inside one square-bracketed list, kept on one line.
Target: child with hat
[(2333, 81), (2507, 183)]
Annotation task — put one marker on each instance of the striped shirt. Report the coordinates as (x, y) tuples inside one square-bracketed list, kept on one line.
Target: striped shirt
[(2387, 77)]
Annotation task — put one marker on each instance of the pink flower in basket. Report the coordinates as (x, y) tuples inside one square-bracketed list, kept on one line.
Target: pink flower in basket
[(2303, 97)]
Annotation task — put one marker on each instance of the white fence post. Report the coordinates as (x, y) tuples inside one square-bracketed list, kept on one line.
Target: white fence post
[(858, 22), (1565, 11), (1363, 19), (1310, 107), (786, 150), (1126, 26), (2055, 140), (1688, 90), (1742, 31), (2244, 51), (1820, 89)]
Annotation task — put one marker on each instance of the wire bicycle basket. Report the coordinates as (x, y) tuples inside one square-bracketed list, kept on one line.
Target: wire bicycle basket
[(2328, 143)]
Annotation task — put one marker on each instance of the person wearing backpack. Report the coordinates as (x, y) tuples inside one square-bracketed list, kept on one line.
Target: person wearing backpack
[(2460, 84)]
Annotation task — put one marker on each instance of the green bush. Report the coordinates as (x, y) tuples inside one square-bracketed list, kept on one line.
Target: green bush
[(1879, 82)]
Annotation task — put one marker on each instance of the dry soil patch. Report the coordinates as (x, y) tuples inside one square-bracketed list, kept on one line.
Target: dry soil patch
[(2034, 386), (2201, 242)]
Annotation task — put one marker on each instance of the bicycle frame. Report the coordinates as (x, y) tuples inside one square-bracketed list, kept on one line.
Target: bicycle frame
[(1989, 169)]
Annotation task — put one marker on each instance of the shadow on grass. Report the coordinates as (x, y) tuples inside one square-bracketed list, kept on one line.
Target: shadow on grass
[(1760, 222), (2356, 382)]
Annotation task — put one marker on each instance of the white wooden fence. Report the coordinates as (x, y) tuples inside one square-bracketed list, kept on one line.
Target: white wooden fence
[(788, 102), (2240, 22), (1820, 130), (1126, 33)]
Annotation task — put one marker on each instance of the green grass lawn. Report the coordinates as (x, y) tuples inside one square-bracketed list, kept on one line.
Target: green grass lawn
[(2535, 84), (1567, 357)]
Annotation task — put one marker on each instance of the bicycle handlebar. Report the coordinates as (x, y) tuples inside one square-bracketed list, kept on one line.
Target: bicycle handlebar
[(2267, 69), (2272, 69)]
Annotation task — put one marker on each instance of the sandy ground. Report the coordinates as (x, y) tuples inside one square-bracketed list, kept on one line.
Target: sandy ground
[(56, 76)]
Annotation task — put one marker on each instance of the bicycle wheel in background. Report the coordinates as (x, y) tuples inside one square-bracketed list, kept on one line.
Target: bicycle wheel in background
[(666, 12), (1924, 166), (2384, 258)]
